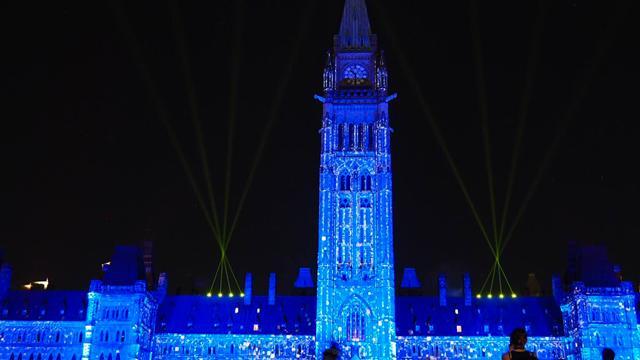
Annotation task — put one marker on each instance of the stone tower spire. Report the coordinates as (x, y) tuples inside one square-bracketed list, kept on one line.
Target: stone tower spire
[(355, 31)]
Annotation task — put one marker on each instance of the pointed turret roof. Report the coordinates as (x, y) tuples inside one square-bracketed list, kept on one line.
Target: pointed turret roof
[(355, 31)]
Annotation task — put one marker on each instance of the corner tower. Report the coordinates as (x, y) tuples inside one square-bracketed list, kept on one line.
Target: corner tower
[(356, 302)]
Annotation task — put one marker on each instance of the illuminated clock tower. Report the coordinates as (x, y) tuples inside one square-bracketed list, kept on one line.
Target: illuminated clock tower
[(356, 303)]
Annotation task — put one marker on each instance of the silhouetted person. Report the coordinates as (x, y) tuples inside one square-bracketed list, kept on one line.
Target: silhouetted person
[(517, 342), (608, 354), (331, 353)]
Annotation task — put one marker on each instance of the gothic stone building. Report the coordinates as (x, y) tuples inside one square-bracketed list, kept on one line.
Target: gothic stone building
[(356, 305)]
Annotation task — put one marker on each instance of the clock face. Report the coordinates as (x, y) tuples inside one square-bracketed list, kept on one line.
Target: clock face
[(355, 74)]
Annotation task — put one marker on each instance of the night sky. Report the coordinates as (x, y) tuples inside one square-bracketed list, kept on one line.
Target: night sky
[(88, 164)]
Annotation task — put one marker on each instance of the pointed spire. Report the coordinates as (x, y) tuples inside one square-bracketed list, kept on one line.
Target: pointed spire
[(355, 31)]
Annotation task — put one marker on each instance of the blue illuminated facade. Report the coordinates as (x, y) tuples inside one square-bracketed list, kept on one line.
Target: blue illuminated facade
[(356, 297), (356, 305)]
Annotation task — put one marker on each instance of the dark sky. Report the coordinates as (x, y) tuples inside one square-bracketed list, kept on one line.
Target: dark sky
[(88, 164)]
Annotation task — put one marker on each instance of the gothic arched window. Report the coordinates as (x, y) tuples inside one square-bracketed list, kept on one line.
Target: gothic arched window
[(365, 183), (356, 323), (340, 137), (362, 137), (352, 135), (372, 138), (345, 182)]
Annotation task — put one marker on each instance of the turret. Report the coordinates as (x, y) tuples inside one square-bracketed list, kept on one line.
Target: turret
[(599, 310), (442, 289), (248, 288), (329, 74), (468, 295), (5, 280), (272, 289), (121, 308)]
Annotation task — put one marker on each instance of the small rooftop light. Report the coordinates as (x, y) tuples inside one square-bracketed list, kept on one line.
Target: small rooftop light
[(241, 294), (479, 296), (230, 294), (219, 294), (489, 296), (209, 294), (513, 296), (501, 296)]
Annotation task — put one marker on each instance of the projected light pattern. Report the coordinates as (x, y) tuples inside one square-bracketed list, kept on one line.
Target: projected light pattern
[(126, 316), (597, 317), (356, 300)]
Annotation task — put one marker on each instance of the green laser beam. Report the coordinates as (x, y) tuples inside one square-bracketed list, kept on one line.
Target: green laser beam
[(156, 99), (484, 113), (279, 95), (191, 95), (486, 280), (574, 107), (426, 109), (236, 56), (215, 276), (506, 280), (532, 65)]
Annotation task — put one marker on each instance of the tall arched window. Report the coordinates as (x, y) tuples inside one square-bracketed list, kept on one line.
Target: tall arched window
[(362, 137), (371, 143), (340, 135), (345, 182), (365, 183), (356, 323), (352, 135)]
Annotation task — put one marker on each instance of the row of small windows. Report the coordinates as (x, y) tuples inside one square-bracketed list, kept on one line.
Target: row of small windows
[(438, 350), (115, 314), (346, 183), (110, 356), (604, 315), (278, 349), (601, 340), (33, 356), (120, 336), (43, 336), (41, 313), (355, 137)]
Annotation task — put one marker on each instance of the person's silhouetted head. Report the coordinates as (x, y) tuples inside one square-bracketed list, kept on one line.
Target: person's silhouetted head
[(332, 353), (518, 338), (608, 354)]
